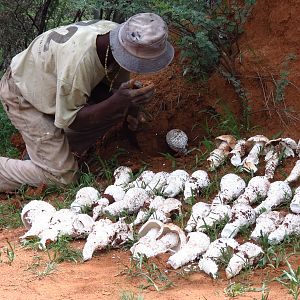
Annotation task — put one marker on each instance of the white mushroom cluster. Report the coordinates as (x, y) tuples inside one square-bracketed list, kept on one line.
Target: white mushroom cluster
[(156, 199)]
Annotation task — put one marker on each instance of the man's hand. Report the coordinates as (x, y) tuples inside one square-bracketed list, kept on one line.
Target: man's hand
[(127, 94)]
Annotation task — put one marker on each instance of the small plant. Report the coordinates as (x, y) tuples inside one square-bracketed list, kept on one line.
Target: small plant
[(154, 276), (129, 295), (40, 268), (10, 215), (9, 251), (291, 280), (236, 289), (61, 251), (214, 230), (283, 82)]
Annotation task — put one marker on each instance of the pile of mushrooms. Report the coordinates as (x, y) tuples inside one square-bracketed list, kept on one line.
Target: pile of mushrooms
[(157, 199)]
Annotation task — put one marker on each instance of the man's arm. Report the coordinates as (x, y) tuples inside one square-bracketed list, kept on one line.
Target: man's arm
[(115, 107)]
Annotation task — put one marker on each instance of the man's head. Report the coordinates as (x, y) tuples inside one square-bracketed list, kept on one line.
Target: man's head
[(140, 44)]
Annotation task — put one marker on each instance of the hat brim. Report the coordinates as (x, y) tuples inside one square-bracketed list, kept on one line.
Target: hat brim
[(135, 64)]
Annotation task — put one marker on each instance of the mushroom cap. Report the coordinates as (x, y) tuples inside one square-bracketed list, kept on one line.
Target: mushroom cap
[(150, 224), (229, 139), (177, 140), (288, 142), (167, 228), (258, 138), (34, 208)]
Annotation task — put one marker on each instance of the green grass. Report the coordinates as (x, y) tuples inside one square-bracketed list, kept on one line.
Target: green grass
[(6, 131), (10, 215), (290, 279), (150, 274)]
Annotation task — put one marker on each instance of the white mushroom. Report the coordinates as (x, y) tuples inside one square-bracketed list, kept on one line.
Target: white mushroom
[(84, 198), (106, 233), (238, 152), (224, 143), (199, 211), (177, 140), (266, 223), (295, 203), (98, 209), (142, 180), (198, 180), (41, 223), (289, 226), (175, 183), (217, 214), (133, 200), (216, 251), (231, 187), (246, 256), (159, 209), (279, 192), (122, 175), (295, 173), (257, 188), (282, 148), (113, 193), (242, 214), (157, 238), (65, 222), (252, 159), (196, 245), (157, 183), (34, 209)]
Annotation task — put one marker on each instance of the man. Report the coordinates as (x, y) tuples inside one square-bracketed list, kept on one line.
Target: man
[(70, 86)]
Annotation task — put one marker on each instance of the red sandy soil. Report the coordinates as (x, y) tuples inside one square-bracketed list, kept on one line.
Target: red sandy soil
[(271, 34)]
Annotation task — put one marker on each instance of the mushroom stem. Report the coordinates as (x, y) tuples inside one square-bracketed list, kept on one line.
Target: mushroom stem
[(197, 244), (295, 173)]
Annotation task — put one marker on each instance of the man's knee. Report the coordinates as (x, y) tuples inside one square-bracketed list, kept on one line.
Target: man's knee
[(64, 178)]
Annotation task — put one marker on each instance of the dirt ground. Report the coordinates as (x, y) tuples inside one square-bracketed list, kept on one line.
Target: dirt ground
[(271, 35)]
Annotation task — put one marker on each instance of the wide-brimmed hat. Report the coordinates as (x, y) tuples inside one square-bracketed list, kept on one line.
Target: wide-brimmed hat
[(140, 44)]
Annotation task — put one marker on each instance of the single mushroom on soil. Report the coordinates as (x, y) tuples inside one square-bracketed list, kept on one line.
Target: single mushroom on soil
[(279, 192), (246, 255), (266, 223), (197, 244), (199, 211), (133, 200), (289, 226), (279, 149), (85, 198), (295, 203), (217, 251), (196, 182), (224, 143), (256, 189), (177, 140), (294, 174), (157, 238), (105, 233), (175, 183), (239, 151), (231, 187), (252, 159), (242, 214)]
